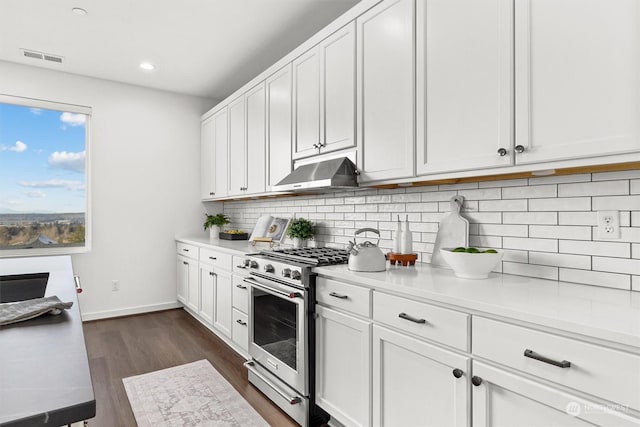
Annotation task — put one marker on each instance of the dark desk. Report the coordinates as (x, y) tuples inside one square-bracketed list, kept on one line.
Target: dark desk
[(44, 370)]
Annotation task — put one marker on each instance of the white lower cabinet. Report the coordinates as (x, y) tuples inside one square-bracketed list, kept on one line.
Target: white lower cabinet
[(187, 282), (207, 285), (503, 399), (343, 366), (240, 329), (222, 302), (418, 384)]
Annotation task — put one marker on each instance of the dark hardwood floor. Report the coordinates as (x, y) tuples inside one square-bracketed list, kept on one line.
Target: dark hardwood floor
[(126, 346)]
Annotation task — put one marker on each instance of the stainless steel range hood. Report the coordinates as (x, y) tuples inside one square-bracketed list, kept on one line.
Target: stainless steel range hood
[(327, 174)]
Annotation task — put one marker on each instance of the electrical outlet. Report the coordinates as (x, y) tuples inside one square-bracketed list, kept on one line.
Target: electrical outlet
[(608, 224), (115, 285)]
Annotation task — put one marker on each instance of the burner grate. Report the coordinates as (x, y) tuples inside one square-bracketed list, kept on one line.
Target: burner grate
[(317, 256)]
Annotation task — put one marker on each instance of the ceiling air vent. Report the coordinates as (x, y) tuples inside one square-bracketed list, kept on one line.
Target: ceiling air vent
[(42, 56)]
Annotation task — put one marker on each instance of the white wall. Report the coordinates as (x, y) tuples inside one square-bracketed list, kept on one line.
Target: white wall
[(144, 184)]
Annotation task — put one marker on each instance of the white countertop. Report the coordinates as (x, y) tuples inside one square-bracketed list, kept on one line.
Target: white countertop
[(591, 311), (603, 313)]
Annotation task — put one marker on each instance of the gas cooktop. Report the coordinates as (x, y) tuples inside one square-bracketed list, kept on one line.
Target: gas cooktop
[(314, 256)]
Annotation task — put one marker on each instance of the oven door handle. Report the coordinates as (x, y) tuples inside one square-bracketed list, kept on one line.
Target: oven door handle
[(272, 291), (293, 400)]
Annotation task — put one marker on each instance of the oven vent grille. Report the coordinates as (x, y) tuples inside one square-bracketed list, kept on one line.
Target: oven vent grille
[(42, 56)]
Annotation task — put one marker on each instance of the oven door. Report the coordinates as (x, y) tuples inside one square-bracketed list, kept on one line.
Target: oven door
[(277, 330)]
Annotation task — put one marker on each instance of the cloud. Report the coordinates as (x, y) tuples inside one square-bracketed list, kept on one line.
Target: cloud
[(36, 111), (54, 183), (73, 119), (69, 161), (18, 147), (37, 194)]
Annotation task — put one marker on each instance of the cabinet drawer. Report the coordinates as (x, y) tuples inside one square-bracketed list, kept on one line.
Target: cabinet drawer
[(216, 258), (240, 330), (240, 294), (425, 320), (239, 266), (600, 371), (354, 299), (187, 250)]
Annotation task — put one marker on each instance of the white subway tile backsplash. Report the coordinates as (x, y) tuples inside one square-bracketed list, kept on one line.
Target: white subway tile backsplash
[(530, 192), (561, 204), (604, 188), (607, 249), (619, 203), (550, 218), (528, 244), (560, 232), (546, 225), (616, 265), (560, 260), (598, 278)]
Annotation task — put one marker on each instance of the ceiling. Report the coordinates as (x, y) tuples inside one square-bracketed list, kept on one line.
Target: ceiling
[(206, 48)]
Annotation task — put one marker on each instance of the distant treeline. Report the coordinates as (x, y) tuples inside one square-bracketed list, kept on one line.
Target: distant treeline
[(19, 231)]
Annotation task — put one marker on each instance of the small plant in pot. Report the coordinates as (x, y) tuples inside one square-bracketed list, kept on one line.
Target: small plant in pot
[(215, 223), (301, 230)]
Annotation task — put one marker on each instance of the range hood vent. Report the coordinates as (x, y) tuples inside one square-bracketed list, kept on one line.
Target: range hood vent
[(327, 174), (42, 56)]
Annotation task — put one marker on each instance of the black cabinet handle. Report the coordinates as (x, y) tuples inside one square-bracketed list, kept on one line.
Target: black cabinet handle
[(213, 258), (240, 322), (533, 355), (502, 152), (519, 149), (185, 250), (340, 296), (458, 373), (185, 262), (405, 316), (241, 287), (211, 273), (476, 381)]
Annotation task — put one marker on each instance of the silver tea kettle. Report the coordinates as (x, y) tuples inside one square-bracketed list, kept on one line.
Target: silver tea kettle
[(366, 256)]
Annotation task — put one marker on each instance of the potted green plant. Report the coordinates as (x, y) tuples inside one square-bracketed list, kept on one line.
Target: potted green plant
[(215, 223), (301, 230)]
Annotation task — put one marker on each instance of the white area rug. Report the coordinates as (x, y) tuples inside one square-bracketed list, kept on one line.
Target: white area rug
[(190, 395)]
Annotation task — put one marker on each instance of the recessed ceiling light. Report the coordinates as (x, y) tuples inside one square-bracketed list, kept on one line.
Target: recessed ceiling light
[(147, 66), (79, 11)]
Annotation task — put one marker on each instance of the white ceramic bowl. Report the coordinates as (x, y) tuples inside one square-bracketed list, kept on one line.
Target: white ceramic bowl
[(471, 265)]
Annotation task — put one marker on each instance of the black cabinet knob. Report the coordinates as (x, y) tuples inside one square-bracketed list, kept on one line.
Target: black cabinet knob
[(519, 148), (502, 152), (458, 373), (476, 381)]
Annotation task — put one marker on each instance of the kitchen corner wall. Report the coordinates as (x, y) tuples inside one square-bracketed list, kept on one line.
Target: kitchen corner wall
[(546, 225)]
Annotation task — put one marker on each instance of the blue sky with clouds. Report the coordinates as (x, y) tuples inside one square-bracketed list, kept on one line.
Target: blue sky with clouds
[(42, 160)]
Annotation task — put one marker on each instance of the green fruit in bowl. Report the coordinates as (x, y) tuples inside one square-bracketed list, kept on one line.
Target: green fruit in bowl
[(490, 251), (472, 250), (460, 249)]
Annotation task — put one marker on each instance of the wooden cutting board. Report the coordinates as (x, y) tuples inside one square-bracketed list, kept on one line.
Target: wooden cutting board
[(453, 231)]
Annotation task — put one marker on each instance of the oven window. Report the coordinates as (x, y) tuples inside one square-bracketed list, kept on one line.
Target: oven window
[(274, 326)]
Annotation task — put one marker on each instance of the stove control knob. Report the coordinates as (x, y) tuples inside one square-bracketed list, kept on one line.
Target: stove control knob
[(269, 268), (286, 272), (253, 264), (295, 275)]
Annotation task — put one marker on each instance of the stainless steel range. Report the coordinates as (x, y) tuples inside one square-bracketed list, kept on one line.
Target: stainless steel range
[(282, 328)]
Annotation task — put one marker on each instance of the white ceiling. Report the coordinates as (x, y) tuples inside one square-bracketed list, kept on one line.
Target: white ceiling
[(207, 48)]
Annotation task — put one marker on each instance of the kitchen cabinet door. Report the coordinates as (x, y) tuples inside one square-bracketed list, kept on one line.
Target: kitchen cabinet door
[(337, 88), (306, 106), (188, 292), (182, 278), (222, 312), (343, 366), (237, 147), (385, 91), (213, 156), (418, 384), (464, 78), (503, 399), (577, 68), (207, 282), (255, 162), (279, 112)]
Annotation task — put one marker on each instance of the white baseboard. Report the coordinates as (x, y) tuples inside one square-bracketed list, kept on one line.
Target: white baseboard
[(129, 311)]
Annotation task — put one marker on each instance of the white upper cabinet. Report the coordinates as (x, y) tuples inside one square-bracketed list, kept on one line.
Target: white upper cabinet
[(306, 93), (577, 71), (278, 87), (247, 129), (237, 147), (324, 95), (213, 156), (464, 79), (256, 140), (385, 91)]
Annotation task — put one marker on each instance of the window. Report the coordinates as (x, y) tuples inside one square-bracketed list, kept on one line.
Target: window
[(43, 177)]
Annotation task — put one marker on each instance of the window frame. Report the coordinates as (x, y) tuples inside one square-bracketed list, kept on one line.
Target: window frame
[(70, 108)]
